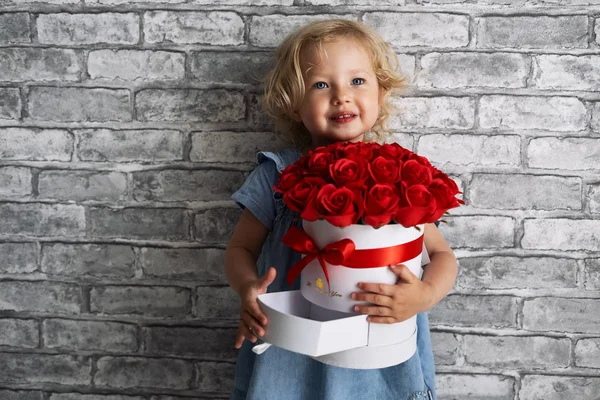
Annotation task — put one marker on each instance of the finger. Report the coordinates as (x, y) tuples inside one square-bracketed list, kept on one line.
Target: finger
[(381, 288), (253, 324), (382, 320), (372, 298), (253, 309), (403, 272), (247, 333), (267, 278), (239, 339), (374, 311)]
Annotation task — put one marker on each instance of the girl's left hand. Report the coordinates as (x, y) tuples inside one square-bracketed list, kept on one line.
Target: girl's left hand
[(394, 303)]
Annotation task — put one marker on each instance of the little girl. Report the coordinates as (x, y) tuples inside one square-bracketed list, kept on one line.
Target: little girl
[(329, 84)]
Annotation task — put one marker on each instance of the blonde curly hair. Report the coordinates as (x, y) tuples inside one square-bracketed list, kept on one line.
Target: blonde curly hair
[(284, 85)]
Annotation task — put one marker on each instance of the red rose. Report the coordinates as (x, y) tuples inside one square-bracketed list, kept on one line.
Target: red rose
[(343, 150), (339, 206), (318, 163), (302, 193), (415, 173), (444, 197), (419, 209), (289, 177), (381, 204), (393, 150), (446, 179), (384, 170), (351, 171)]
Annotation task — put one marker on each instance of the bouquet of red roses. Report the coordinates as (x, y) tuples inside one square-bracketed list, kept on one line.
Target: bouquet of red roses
[(367, 183)]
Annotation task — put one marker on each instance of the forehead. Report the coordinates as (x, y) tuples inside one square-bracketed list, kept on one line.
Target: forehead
[(337, 54)]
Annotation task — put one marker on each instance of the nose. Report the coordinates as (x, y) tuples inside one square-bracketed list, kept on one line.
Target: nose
[(340, 95)]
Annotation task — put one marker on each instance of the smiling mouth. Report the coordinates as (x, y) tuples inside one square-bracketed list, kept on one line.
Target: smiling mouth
[(343, 117)]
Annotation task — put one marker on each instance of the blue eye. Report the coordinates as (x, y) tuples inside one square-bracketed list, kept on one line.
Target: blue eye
[(320, 85), (358, 81)]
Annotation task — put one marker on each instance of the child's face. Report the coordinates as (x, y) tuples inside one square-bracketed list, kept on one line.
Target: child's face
[(341, 82)]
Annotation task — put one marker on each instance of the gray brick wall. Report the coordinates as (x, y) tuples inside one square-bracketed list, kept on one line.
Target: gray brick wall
[(125, 125)]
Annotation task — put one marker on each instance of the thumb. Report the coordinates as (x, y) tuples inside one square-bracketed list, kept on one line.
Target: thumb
[(267, 278), (403, 272)]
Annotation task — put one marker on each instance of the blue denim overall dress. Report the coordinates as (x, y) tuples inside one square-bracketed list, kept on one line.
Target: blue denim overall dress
[(278, 374)]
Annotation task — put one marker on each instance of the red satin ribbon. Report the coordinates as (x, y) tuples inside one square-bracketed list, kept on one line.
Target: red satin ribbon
[(344, 253)]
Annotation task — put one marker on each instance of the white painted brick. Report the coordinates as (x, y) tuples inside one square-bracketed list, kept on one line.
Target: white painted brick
[(232, 146), (245, 2), (596, 117), (534, 192), (445, 348), (517, 273), (476, 311), (526, 112), (566, 72), (533, 32), (88, 28), (562, 315), (432, 112), (597, 30), (516, 352), (15, 182), (592, 274), (475, 150), (15, 28), (270, 30), (10, 103), (548, 387), (82, 185), (355, 2), (32, 64), (133, 65), (35, 144), (587, 353), (133, 1), (436, 30), (561, 233), (594, 198), (461, 70), (475, 387), (225, 67), (214, 28), (564, 153), (479, 231)]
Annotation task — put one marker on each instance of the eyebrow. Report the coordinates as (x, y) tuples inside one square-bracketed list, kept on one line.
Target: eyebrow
[(354, 71)]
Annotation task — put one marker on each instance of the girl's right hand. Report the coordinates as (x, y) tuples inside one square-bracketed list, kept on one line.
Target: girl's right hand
[(252, 319)]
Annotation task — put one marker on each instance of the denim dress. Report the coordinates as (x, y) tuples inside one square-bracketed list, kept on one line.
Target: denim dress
[(279, 374)]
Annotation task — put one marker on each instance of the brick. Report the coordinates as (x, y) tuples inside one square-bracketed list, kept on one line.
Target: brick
[(15, 182), (78, 396), (247, 2), (140, 223), (43, 1), (18, 258), (90, 335), (597, 31), (587, 353), (517, 352), (270, 30), (204, 342), (21, 395), (217, 302), (533, 32), (564, 114), (135, 372), (190, 105), (131, 145), (136, 65), (79, 104), (476, 311), (42, 219), (355, 2), (185, 185), (218, 67), (232, 147), (215, 376), (19, 333), (462, 70), (560, 314), (128, 2), (82, 185), (595, 123), (14, 28), (491, 2), (34, 64), (561, 233), (445, 348), (216, 28), (592, 274), (567, 72), (216, 225), (549, 387), (569, 2), (432, 112), (84, 260), (479, 231), (564, 153), (141, 300), (44, 368), (10, 104), (535, 192), (436, 30), (517, 273), (257, 119), (475, 387), (33, 144), (50, 297), (203, 266), (109, 28)]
